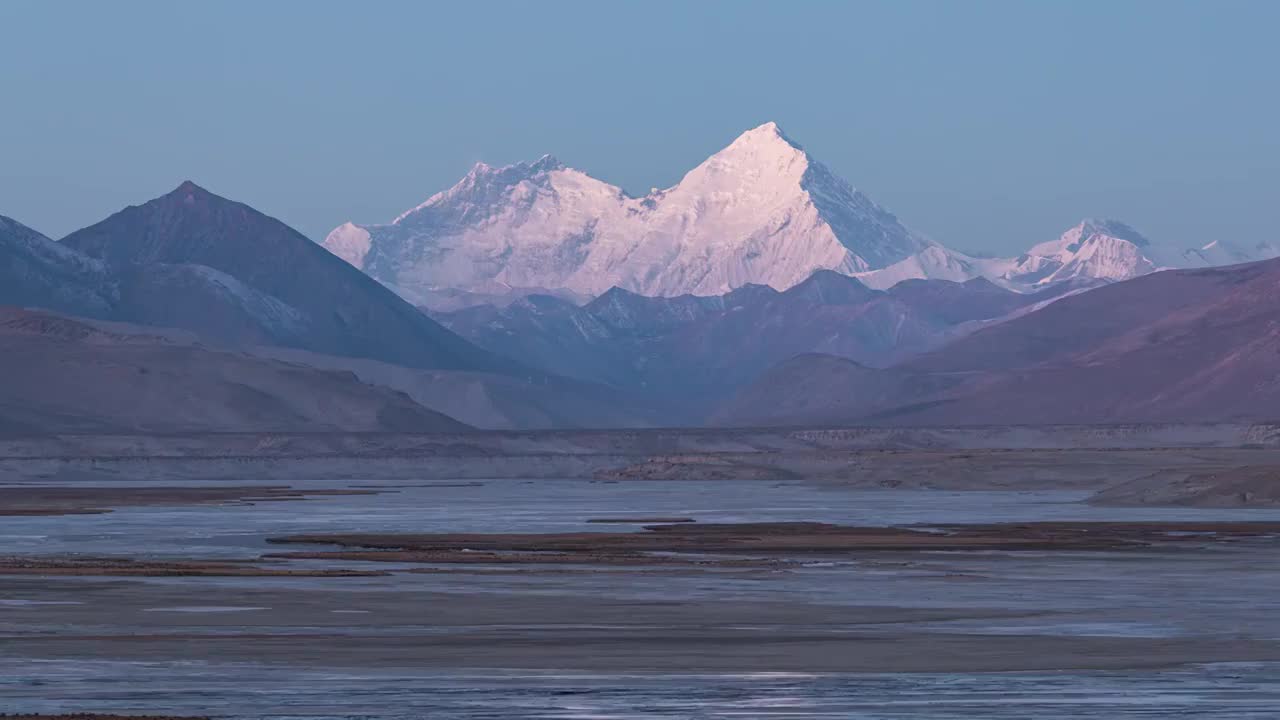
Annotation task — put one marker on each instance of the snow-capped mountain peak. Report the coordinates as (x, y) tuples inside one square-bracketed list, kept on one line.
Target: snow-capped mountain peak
[(1093, 228), (1101, 251), (1221, 252), (484, 179), (761, 151), (760, 211), (1092, 251)]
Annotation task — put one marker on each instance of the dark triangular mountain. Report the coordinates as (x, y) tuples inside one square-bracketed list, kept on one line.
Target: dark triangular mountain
[(273, 284), (961, 302), (828, 287)]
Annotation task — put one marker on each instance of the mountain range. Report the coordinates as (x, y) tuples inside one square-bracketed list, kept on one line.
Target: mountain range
[(762, 211), (688, 351), (761, 289)]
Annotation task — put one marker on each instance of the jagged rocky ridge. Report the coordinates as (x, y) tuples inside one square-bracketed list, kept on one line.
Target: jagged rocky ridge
[(690, 350)]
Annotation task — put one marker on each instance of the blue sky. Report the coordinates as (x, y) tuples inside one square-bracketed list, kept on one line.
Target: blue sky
[(988, 125)]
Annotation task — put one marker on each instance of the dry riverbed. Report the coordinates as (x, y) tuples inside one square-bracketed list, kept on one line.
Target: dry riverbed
[(381, 564)]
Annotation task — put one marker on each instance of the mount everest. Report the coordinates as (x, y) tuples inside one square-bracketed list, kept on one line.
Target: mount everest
[(761, 211)]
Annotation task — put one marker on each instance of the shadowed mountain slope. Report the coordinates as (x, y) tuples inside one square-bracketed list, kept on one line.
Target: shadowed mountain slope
[(286, 289), (237, 279), (692, 349), (1186, 345), (66, 375), (37, 272)]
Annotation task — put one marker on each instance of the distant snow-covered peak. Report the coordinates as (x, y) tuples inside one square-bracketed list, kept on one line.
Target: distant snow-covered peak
[(761, 150), (1108, 228), (1090, 252), (932, 263), (1221, 252), (349, 242), (1086, 231), (1102, 251), (509, 174), (486, 184)]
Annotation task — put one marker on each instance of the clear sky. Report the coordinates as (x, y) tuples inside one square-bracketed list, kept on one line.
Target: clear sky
[(987, 125)]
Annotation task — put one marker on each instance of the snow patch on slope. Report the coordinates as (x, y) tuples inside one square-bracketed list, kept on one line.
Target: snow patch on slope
[(38, 271), (267, 310)]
